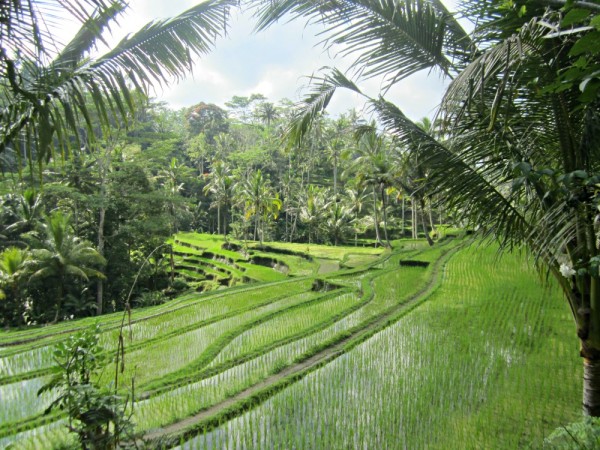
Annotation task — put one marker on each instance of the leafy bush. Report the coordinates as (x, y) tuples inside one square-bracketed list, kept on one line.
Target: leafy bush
[(179, 284), (96, 414), (576, 436), (149, 298)]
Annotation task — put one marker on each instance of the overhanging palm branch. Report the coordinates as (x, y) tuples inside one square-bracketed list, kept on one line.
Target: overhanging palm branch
[(308, 110), (391, 38), (44, 104)]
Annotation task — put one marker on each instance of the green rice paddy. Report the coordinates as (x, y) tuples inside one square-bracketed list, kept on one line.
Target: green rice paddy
[(296, 346)]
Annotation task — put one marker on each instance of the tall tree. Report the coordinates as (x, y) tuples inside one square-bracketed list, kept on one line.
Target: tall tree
[(356, 197), (207, 118), (220, 185), (313, 209), (374, 167), (267, 113), (260, 200), (522, 158)]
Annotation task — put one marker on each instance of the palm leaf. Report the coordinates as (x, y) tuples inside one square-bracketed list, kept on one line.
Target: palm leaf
[(465, 187), (316, 101), (391, 38), (88, 34), (59, 101)]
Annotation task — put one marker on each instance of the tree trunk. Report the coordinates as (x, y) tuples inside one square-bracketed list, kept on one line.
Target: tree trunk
[(100, 283), (375, 217), (102, 214), (589, 333), (294, 225), (335, 178), (218, 218), (429, 240), (385, 233), (591, 387), (431, 224), (255, 228), (355, 230), (403, 214), (413, 218), (172, 263), (225, 222)]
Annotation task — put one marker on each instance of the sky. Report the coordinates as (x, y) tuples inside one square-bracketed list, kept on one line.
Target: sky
[(275, 63)]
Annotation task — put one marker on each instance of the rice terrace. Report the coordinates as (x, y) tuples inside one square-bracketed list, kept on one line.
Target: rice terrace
[(420, 347), (197, 252)]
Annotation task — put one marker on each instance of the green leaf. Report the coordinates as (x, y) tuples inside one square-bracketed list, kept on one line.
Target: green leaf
[(595, 22), (590, 43), (575, 16)]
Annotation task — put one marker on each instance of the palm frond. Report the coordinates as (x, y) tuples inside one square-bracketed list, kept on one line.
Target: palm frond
[(391, 38), (163, 49), (464, 187), (492, 75), (45, 103), (88, 34), (316, 101)]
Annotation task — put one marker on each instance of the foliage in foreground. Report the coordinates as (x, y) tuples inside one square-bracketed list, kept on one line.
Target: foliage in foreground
[(575, 436), (96, 414)]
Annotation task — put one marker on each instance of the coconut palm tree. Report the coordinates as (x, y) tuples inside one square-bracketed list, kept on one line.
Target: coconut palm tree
[(220, 184), (338, 222), (355, 198), (267, 112), (27, 212), (61, 256), (375, 168), (12, 277), (169, 178), (521, 116), (259, 199), (313, 208), (47, 89)]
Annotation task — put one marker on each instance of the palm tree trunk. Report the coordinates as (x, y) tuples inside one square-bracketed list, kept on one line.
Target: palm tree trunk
[(335, 178), (59, 298), (225, 222), (375, 217), (101, 220), (429, 240), (383, 203), (413, 217), (430, 216), (355, 230), (218, 218), (100, 283), (590, 350), (403, 215), (172, 263), (255, 227), (294, 225), (591, 387)]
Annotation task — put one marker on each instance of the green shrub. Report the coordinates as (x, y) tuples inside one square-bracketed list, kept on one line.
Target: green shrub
[(97, 415), (149, 298), (576, 436)]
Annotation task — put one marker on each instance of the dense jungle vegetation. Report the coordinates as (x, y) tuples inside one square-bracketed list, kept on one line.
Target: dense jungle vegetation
[(226, 171)]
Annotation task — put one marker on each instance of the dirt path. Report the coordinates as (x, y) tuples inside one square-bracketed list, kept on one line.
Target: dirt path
[(306, 366)]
